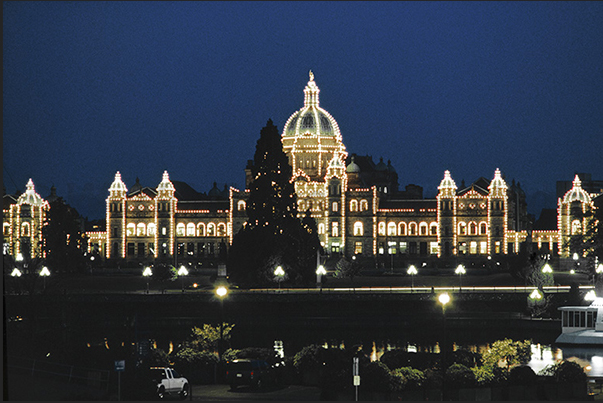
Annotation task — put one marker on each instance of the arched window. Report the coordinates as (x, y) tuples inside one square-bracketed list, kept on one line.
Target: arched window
[(335, 206), (353, 205), (412, 229), (6, 228), (381, 228), (130, 229), (221, 229), (358, 228), (423, 228), (140, 229), (180, 229), (391, 228), (473, 228), (462, 228), (190, 229), (211, 229), (335, 229), (363, 205), (433, 228), (200, 229), (576, 227), (241, 205), (483, 228), (25, 229), (321, 228), (402, 228), (151, 229)]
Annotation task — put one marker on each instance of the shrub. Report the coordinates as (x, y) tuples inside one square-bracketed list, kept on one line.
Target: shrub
[(464, 357), (484, 375), (376, 377), (523, 375), (458, 375), (433, 379), (409, 378), (569, 371)]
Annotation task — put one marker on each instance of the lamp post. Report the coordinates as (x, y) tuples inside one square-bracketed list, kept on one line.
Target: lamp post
[(320, 271), (279, 273), (598, 270), (534, 298), (182, 272), (44, 273), (221, 292), (16, 273), (547, 269), (147, 273), (444, 299), (590, 296), (412, 271), (460, 270)]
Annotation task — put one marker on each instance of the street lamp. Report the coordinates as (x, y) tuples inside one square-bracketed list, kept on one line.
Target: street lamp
[(412, 271), (279, 273), (221, 292), (598, 270), (536, 295), (547, 269), (460, 270), (444, 299), (16, 273), (44, 273), (320, 271), (181, 273), (590, 296), (147, 273)]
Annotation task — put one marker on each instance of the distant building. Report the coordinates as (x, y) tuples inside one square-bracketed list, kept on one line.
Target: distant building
[(22, 220)]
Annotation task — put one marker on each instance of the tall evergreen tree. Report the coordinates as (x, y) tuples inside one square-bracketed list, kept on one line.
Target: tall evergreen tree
[(63, 238), (273, 235)]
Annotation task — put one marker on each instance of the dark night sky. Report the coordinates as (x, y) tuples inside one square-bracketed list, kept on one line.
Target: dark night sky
[(91, 88)]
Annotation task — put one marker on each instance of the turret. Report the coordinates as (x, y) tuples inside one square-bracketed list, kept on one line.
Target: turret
[(497, 215), (447, 216)]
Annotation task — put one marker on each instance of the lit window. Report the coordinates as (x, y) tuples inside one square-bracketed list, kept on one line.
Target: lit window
[(151, 229), (140, 229), (497, 247), (353, 205), (483, 247), (163, 231), (576, 227), (180, 229), (391, 247), (6, 228), (358, 228), (381, 228), (423, 228), (412, 229), (241, 205), (201, 229), (321, 228), (221, 229), (190, 229), (433, 248), (402, 228), (403, 247), (130, 229), (335, 207), (433, 228), (211, 229), (462, 228), (335, 229), (473, 247), (25, 229), (358, 248), (363, 205)]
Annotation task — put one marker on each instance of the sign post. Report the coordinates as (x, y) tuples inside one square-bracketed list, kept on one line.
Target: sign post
[(356, 374), (120, 366)]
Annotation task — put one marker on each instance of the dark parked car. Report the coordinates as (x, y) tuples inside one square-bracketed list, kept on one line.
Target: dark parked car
[(254, 373)]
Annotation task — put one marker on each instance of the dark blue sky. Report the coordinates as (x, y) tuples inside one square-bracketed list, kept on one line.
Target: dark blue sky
[(91, 88)]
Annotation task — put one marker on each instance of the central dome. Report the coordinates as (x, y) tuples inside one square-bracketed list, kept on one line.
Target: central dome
[(311, 137), (311, 119)]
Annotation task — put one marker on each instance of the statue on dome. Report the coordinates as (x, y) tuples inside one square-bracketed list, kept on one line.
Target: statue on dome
[(311, 76)]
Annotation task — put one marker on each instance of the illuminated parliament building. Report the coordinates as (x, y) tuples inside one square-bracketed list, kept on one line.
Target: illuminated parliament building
[(356, 202)]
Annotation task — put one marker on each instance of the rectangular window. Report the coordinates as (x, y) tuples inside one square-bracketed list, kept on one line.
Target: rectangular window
[(152, 249), (115, 232), (335, 247), (403, 247), (412, 248), (210, 246), (140, 249), (358, 248), (391, 247), (190, 249), (180, 248), (497, 247), (130, 249), (462, 248), (483, 247), (473, 247), (433, 248), (163, 231), (200, 249), (381, 248)]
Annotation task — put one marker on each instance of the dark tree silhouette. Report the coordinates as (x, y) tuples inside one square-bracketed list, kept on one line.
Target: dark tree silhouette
[(272, 235), (64, 242)]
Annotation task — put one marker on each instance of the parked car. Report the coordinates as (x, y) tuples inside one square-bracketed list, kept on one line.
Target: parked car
[(168, 382), (251, 372)]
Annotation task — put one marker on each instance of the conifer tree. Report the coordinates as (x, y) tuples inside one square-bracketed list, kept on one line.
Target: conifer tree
[(273, 235)]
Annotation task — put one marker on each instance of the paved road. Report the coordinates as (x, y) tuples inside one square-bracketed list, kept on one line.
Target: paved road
[(285, 393)]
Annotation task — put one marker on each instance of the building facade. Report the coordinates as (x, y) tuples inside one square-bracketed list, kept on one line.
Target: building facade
[(357, 204)]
